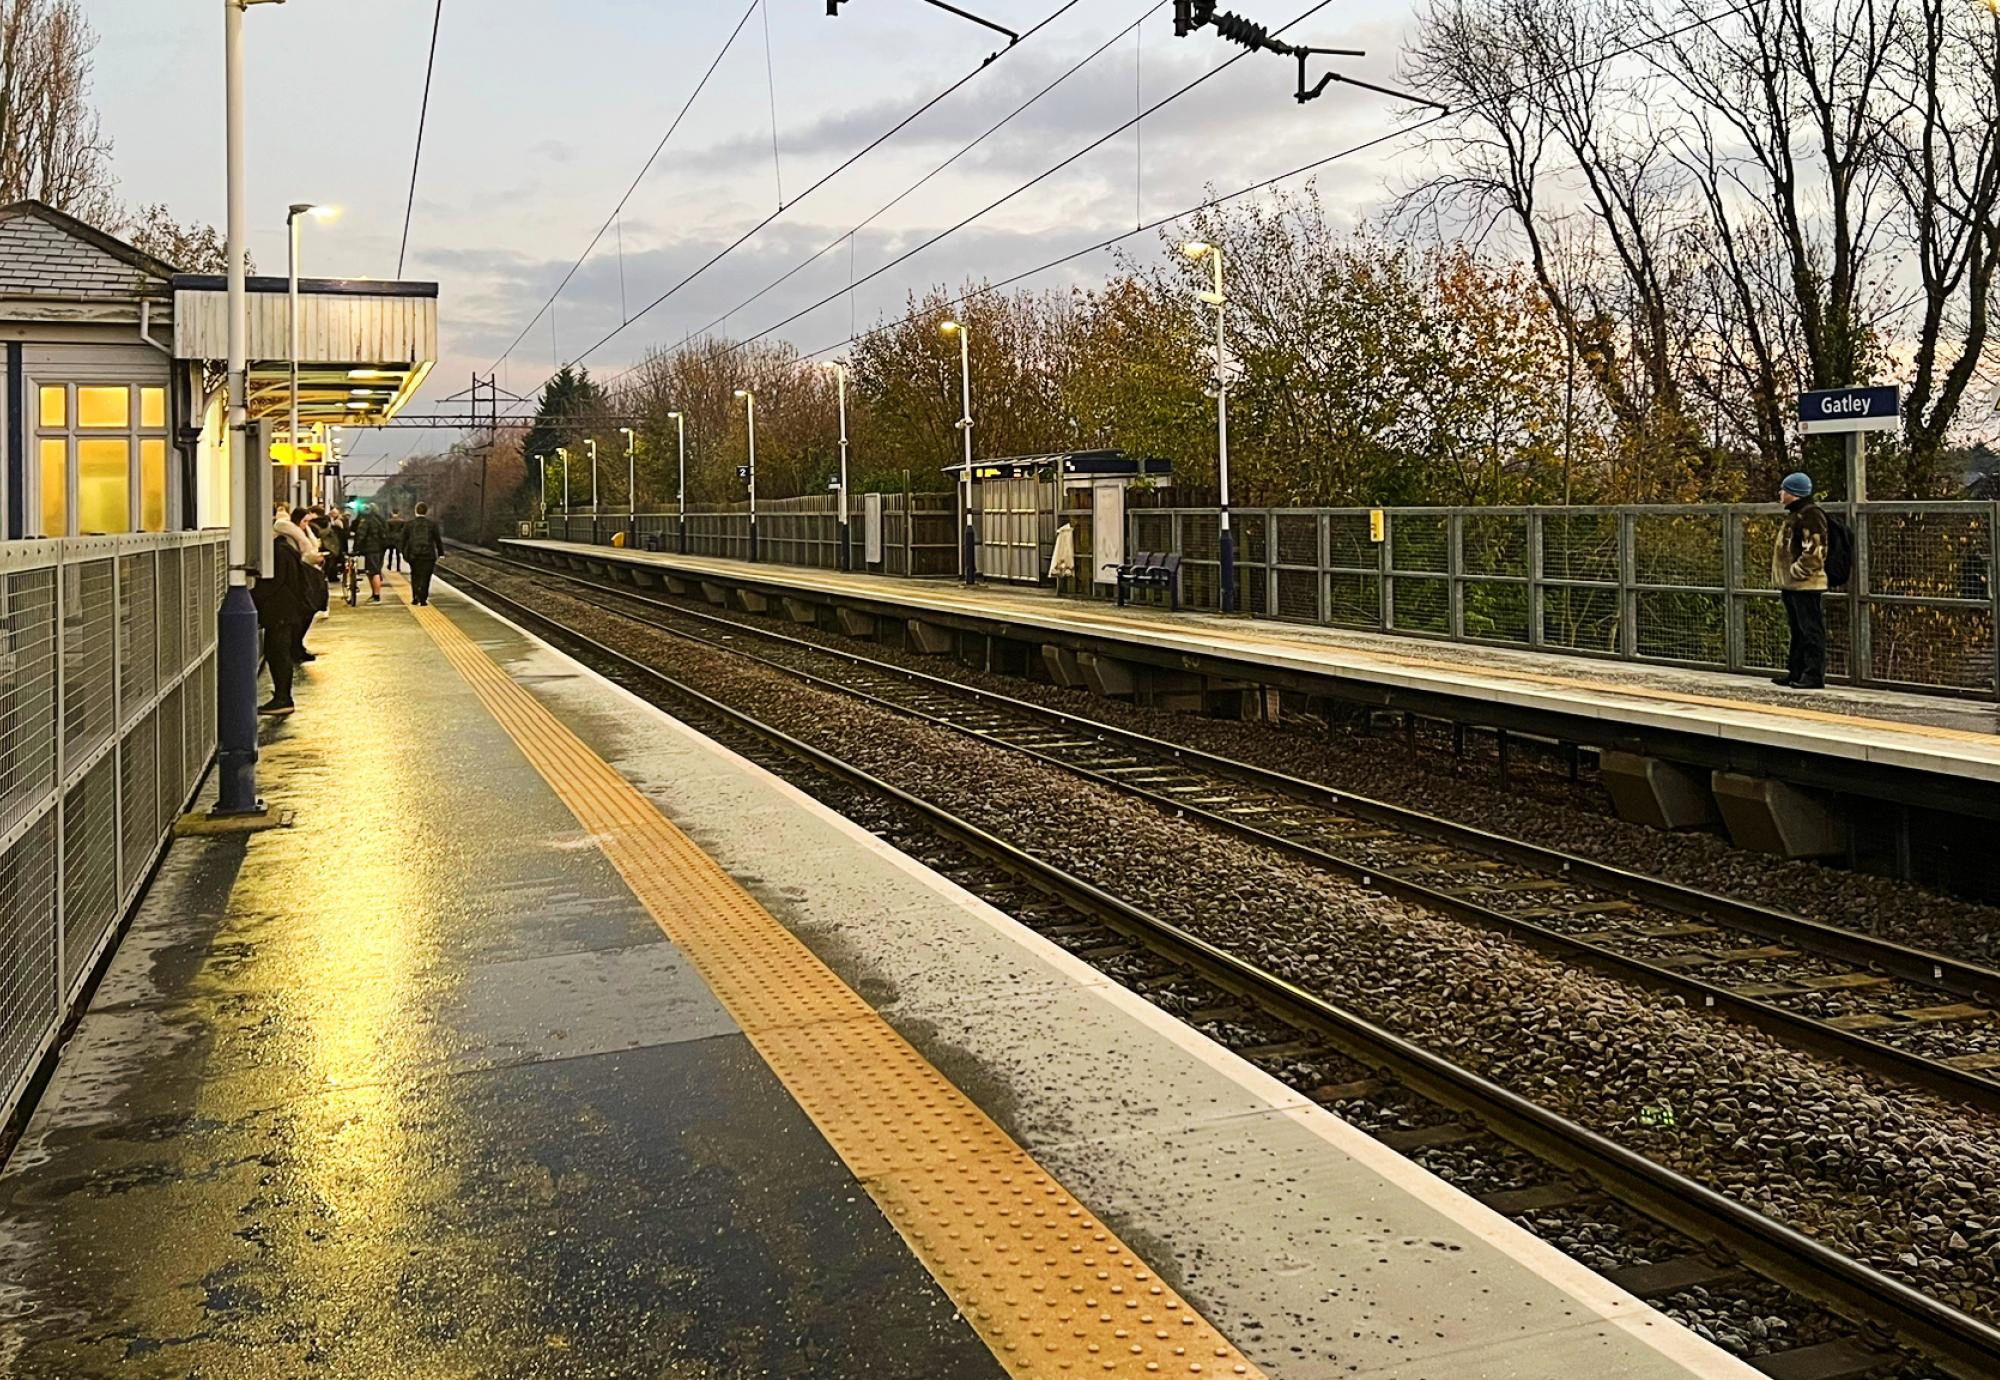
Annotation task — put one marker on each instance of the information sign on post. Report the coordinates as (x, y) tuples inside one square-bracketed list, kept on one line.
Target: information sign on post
[(1851, 412)]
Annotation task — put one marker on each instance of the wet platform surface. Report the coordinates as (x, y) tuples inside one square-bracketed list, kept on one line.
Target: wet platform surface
[(415, 1087), (1931, 733)]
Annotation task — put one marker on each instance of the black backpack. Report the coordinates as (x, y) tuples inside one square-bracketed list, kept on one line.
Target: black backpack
[(1839, 553)]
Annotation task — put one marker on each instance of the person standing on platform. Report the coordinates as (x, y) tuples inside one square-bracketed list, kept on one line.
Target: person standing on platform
[(281, 611), (371, 539), (334, 543), (312, 588), (396, 526), (423, 543), (1798, 569)]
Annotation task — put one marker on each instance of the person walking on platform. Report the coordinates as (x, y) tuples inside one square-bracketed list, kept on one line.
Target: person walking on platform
[(423, 543), (396, 526), (1798, 569), (281, 610), (371, 539)]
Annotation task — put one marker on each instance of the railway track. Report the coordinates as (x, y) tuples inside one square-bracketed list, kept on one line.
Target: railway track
[(1722, 1239), (1921, 1017)]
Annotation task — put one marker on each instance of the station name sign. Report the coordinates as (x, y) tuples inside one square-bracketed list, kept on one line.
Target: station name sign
[(1850, 409)]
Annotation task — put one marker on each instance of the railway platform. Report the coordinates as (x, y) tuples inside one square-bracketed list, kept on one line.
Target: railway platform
[(552, 1038), (1913, 749)]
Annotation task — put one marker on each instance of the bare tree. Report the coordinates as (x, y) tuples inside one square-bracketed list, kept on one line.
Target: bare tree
[(192, 248), (1944, 155), (52, 145)]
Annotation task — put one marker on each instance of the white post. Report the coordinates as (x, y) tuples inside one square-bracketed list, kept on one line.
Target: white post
[(292, 331), (966, 556), (543, 461), (632, 477), (681, 491), (236, 625), (845, 558), (751, 399)]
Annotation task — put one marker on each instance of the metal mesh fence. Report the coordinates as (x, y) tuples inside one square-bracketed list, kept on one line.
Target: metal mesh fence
[(30, 1007), (1682, 585), (27, 693), (120, 633)]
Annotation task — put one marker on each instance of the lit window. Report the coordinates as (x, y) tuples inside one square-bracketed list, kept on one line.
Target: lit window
[(103, 408), (103, 484), (152, 407), (55, 406), (152, 485), (55, 487)]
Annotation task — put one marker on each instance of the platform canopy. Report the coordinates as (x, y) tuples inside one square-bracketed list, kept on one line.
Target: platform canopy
[(365, 344)]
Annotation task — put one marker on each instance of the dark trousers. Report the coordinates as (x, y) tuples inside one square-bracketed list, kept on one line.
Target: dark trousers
[(299, 642), (420, 577), (279, 638), (395, 558), (1807, 617)]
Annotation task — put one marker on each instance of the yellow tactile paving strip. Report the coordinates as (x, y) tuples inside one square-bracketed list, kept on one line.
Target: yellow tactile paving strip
[(1048, 1286)]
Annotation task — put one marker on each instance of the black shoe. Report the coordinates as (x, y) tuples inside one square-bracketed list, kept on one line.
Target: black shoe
[(1784, 680), (302, 655), (275, 707), (1808, 685), (374, 598)]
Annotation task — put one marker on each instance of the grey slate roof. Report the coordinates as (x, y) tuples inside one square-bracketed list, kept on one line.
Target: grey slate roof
[(44, 253)]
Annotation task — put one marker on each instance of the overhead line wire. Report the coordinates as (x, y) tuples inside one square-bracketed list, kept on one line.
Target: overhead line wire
[(1262, 184), (423, 117), (1039, 177), (1246, 190), (645, 168), (909, 191), (842, 167)]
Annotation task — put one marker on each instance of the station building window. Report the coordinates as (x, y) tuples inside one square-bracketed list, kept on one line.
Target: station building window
[(103, 454)]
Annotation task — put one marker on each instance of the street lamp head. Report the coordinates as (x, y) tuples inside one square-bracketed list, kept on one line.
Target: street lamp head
[(1196, 249), (950, 327), (837, 366), (626, 429), (674, 416), (744, 393)]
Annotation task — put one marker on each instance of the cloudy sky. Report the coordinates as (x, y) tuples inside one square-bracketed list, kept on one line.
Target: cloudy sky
[(543, 113)]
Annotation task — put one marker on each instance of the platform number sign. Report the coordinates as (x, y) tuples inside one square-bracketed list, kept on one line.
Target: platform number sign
[(743, 473)]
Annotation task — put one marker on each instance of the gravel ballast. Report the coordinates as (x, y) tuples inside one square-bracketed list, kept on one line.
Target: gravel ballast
[(1906, 1182)]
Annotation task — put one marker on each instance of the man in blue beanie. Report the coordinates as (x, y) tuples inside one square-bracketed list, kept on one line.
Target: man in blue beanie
[(1798, 568)]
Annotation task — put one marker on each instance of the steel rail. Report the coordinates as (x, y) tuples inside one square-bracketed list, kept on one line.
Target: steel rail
[(1967, 1346), (1914, 965)]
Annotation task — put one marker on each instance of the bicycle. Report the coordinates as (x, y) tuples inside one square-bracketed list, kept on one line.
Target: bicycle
[(353, 580)]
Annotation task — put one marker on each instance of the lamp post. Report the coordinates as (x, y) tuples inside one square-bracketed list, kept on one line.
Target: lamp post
[(562, 454), (543, 461), (292, 214), (681, 494), (236, 624), (1226, 539), (591, 443), (631, 484), (966, 548), (750, 405), (840, 392)]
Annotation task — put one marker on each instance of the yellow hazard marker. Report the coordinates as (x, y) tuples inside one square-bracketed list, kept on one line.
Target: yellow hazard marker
[(1049, 1287)]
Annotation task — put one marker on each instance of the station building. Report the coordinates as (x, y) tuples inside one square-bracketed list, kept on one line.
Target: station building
[(113, 418)]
